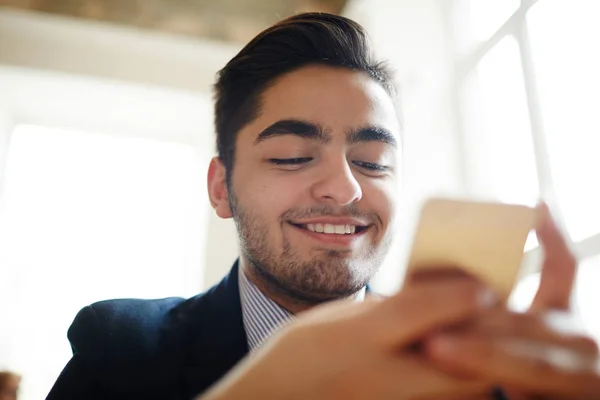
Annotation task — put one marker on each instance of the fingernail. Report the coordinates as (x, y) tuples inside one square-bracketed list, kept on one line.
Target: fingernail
[(486, 298)]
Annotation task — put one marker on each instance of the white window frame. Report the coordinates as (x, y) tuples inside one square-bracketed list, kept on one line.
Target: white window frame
[(465, 62)]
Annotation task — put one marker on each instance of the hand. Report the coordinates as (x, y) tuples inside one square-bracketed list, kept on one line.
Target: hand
[(362, 351), (531, 354), (524, 353)]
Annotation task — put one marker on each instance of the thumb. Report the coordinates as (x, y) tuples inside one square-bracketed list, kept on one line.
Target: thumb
[(558, 269)]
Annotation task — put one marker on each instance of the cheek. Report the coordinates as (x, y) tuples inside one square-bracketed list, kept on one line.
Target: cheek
[(381, 196), (269, 197)]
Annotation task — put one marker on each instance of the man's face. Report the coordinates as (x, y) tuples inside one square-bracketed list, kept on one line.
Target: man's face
[(313, 185)]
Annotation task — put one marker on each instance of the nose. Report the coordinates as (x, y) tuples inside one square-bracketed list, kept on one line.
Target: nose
[(336, 185)]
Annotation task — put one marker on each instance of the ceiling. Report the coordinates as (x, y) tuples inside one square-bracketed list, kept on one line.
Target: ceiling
[(235, 21)]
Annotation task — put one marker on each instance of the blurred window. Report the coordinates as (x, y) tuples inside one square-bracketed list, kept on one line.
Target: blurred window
[(529, 89)]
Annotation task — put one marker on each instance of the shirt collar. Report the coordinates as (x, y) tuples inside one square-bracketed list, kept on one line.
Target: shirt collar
[(262, 317)]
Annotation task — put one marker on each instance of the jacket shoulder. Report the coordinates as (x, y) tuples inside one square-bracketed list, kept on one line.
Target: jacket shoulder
[(123, 326)]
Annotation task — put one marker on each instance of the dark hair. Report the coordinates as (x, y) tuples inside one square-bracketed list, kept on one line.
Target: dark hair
[(310, 38)]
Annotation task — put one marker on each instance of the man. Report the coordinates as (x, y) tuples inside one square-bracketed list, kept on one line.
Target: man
[(307, 135)]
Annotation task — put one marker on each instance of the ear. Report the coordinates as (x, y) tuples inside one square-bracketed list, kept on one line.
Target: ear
[(217, 188)]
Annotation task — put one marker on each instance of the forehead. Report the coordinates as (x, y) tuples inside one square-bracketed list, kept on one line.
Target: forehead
[(335, 98)]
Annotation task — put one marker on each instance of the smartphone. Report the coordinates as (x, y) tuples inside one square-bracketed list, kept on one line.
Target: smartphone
[(483, 239)]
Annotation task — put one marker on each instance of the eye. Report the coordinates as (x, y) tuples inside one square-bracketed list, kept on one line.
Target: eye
[(372, 167), (290, 162)]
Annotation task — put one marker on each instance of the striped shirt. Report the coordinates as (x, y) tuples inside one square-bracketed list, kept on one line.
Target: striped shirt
[(262, 316)]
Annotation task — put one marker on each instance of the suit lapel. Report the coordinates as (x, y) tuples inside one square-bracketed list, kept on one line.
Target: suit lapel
[(205, 336), (217, 336)]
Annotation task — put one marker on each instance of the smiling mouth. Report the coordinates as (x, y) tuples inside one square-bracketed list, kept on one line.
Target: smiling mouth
[(332, 229)]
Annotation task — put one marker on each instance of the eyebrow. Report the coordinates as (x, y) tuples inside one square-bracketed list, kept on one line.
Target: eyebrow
[(311, 131), (372, 134), (303, 129)]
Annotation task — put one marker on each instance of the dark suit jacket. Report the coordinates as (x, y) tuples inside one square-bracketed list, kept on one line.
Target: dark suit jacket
[(167, 349), (154, 349)]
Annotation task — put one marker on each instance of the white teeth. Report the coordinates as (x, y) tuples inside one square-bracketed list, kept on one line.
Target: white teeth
[(340, 229), (332, 229)]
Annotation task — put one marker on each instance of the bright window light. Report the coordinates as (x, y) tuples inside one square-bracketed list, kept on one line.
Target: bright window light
[(501, 163), (86, 217), (564, 38), (586, 296), (487, 16)]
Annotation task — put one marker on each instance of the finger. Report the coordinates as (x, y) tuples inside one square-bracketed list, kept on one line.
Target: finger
[(435, 274), (525, 366), (422, 381), (558, 269), (551, 328), (484, 396), (420, 309), (402, 377)]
